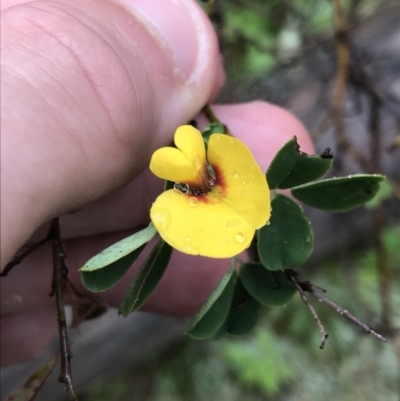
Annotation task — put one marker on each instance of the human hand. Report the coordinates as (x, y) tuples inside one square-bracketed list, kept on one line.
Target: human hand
[(89, 90)]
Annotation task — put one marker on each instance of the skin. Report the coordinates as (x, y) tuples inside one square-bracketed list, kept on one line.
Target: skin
[(89, 90)]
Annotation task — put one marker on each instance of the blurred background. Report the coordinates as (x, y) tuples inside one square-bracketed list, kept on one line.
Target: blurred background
[(336, 66)]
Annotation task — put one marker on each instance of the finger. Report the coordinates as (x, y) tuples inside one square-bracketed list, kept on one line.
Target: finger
[(188, 280), (89, 90)]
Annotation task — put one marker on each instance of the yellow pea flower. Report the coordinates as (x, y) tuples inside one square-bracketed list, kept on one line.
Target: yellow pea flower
[(219, 199)]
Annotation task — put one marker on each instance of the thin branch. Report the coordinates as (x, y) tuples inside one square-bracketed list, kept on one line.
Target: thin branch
[(341, 311), (324, 334), (58, 285), (19, 258), (342, 76)]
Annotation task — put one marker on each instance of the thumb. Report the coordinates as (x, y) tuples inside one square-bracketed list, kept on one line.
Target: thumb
[(89, 90)]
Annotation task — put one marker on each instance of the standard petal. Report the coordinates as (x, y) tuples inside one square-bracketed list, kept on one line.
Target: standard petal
[(171, 164), (200, 225), (189, 140), (187, 164), (240, 183)]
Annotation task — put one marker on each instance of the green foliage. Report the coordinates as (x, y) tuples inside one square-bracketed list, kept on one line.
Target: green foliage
[(385, 191), (281, 359), (108, 276), (244, 311), (260, 362), (119, 250), (339, 194), (215, 310), (213, 128), (291, 167), (287, 240), (146, 279), (269, 288)]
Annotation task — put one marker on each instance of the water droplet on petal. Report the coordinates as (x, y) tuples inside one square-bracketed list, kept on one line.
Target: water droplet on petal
[(187, 238), (161, 218), (232, 141), (239, 237), (193, 201), (235, 173), (268, 222), (244, 182)]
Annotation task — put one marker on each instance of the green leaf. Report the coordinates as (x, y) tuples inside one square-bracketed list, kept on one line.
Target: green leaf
[(282, 164), (385, 191), (291, 167), (119, 250), (101, 280), (213, 128), (287, 241), (307, 168), (339, 194), (215, 310), (220, 332), (244, 311), (268, 288), (146, 279)]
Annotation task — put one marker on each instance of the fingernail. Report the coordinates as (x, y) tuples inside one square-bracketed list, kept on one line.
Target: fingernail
[(177, 26)]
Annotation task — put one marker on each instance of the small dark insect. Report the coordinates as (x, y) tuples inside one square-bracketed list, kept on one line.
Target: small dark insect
[(327, 154)]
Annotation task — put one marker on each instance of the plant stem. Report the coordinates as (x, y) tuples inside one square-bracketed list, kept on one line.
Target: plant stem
[(324, 334), (19, 258), (58, 285), (344, 312)]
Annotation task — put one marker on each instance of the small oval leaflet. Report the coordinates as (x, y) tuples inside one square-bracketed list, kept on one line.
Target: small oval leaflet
[(106, 277), (287, 241), (243, 313), (339, 194), (215, 310), (291, 167), (146, 279), (119, 250), (268, 288)]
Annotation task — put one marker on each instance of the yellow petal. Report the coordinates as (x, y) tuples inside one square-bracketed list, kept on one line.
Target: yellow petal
[(171, 164), (240, 183), (187, 164), (200, 225), (190, 141)]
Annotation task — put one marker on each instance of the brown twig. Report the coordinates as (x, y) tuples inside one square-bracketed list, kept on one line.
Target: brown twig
[(58, 285), (19, 258), (324, 334), (341, 311), (341, 79)]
